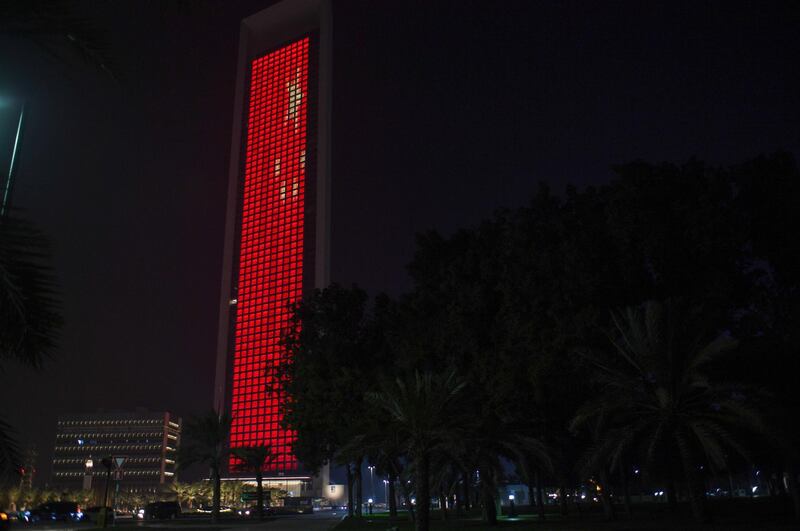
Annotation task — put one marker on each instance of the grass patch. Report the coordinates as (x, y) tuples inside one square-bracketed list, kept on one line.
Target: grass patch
[(764, 514)]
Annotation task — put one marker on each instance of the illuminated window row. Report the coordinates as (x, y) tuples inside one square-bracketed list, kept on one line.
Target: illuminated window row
[(124, 472), (106, 422), (258, 328), (289, 159), (290, 203), (261, 253), (285, 241), (254, 220), (272, 429), (268, 268), (255, 413), (268, 277), (275, 431), (98, 448), (115, 433)]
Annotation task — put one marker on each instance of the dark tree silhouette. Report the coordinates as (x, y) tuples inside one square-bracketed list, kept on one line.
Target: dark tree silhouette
[(657, 400), (254, 459), (204, 441), (30, 312)]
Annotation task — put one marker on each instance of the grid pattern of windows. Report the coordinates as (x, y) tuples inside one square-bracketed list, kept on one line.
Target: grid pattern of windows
[(270, 275), (149, 445)]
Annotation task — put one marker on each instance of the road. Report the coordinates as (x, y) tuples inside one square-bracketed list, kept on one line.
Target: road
[(319, 521)]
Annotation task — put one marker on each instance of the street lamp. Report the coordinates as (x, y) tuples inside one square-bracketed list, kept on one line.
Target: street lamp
[(511, 511), (87, 474), (108, 463), (371, 479), (386, 491), (5, 192)]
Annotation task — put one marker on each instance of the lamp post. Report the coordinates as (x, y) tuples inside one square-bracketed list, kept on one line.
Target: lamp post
[(87, 474), (5, 193), (371, 480), (511, 511), (386, 492), (108, 463)]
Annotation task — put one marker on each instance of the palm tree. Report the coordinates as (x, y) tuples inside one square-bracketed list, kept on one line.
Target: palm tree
[(424, 412), (29, 310), (203, 492), (14, 495), (204, 442), (186, 493), (60, 31), (491, 440), (255, 459), (380, 440), (656, 398), (84, 497), (231, 493)]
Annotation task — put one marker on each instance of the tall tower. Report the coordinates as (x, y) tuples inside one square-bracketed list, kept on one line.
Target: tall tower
[(277, 226)]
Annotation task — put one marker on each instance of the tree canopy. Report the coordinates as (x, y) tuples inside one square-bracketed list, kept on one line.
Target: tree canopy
[(561, 318)]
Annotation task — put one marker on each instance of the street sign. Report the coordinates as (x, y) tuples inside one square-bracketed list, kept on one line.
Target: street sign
[(118, 460), (251, 496)]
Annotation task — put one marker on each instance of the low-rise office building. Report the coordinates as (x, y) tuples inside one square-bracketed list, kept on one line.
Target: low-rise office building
[(145, 441)]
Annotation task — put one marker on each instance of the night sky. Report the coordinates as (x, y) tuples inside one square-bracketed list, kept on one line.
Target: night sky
[(443, 112)]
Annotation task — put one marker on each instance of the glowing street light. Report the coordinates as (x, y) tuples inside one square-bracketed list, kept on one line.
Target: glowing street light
[(372, 479), (5, 193), (87, 474)]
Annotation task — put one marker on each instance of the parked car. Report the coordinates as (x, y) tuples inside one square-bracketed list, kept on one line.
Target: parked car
[(92, 514), (208, 509), (5, 522), (296, 504), (64, 511), (252, 511), (163, 510)]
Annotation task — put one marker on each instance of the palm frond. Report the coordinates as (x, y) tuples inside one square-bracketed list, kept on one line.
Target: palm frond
[(30, 311), (9, 451)]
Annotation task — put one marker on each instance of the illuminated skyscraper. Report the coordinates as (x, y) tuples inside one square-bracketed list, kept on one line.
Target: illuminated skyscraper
[(277, 228)]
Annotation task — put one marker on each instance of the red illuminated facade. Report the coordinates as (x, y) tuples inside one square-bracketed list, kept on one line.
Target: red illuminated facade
[(277, 228), (271, 244)]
